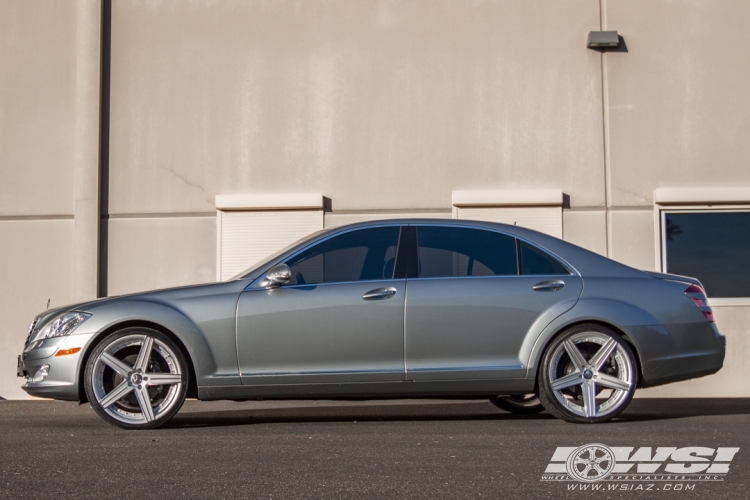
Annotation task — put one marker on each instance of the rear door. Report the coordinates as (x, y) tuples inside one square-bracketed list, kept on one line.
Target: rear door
[(474, 297)]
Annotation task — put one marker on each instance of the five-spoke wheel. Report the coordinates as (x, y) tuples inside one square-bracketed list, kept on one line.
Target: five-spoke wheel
[(588, 374), (136, 378)]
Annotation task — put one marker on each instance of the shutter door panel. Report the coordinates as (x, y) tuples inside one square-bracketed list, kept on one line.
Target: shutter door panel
[(543, 219), (248, 237)]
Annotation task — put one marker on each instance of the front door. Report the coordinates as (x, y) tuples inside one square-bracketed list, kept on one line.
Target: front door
[(340, 319)]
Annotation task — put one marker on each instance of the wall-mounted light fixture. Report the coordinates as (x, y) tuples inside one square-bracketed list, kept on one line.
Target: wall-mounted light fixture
[(603, 40)]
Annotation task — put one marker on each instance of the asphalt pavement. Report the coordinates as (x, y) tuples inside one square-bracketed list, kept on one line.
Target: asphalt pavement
[(369, 449)]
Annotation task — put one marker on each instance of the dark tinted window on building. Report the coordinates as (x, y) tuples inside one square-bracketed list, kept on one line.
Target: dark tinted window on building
[(457, 251), (365, 254), (713, 247), (536, 261)]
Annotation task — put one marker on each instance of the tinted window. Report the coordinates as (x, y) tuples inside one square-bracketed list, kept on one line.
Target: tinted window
[(713, 247), (457, 251), (365, 254), (535, 261)]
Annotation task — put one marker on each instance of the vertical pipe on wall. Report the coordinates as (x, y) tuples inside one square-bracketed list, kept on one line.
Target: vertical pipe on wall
[(87, 130), (104, 147), (605, 133)]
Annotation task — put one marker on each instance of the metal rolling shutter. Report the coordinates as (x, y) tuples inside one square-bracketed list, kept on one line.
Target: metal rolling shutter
[(537, 209), (543, 219), (251, 230)]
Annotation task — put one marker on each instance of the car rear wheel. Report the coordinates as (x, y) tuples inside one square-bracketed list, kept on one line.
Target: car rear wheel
[(526, 404), (588, 374), (136, 378)]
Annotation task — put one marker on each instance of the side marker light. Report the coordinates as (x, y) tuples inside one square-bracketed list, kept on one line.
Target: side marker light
[(65, 352)]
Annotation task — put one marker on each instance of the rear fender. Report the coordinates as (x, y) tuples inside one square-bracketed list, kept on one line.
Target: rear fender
[(614, 313)]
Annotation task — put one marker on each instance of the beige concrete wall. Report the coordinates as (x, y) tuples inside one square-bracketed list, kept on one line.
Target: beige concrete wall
[(678, 105), (151, 253), (378, 105), (632, 238), (37, 107), (384, 107), (587, 229), (37, 150), (35, 265)]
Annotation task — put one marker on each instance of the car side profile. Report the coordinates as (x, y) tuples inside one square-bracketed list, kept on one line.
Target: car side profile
[(389, 309)]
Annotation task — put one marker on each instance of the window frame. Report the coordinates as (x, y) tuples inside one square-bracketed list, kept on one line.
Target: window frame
[(661, 226)]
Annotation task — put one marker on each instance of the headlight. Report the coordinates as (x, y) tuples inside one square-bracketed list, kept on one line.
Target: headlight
[(61, 326)]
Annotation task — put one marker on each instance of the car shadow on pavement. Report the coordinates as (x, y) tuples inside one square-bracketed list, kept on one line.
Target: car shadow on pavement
[(673, 408), (369, 413), (638, 410)]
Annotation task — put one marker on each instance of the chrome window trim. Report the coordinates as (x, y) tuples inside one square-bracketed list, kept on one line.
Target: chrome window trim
[(328, 283), (438, 222)]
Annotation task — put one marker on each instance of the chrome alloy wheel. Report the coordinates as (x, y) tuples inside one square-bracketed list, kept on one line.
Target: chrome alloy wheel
[(136, 379), (590, 374)]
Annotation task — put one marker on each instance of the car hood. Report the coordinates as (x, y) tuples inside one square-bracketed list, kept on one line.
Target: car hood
[(162, 295)]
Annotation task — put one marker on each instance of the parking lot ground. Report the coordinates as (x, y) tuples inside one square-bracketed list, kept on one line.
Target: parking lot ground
[(353, 449)]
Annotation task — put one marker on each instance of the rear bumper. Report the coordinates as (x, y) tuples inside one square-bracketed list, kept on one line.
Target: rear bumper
[(674, 370), (676, 352)]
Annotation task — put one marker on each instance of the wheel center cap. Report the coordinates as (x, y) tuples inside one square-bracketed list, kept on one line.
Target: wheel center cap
[(587, 374), (136, 378)]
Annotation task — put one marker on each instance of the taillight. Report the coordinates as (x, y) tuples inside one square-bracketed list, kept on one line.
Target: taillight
[(698, 296)]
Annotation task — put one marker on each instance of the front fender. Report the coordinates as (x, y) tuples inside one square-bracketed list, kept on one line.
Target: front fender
[(106, 319)]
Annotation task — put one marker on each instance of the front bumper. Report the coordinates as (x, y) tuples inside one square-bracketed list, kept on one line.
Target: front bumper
[(49, 375)]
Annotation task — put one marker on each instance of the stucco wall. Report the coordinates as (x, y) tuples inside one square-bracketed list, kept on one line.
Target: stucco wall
[(383, 107), (37, 148)]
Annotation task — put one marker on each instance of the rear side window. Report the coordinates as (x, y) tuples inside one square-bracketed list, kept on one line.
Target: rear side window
[(536, 261), (458, 251), (362, 255)]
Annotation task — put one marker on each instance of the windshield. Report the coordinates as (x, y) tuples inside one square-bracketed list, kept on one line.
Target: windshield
[(276, 255)]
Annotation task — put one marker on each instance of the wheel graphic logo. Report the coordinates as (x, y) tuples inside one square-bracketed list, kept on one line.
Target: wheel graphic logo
[(591, 462)]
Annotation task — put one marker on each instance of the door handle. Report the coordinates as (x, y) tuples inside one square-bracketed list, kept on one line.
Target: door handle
[(380, 293), (549, 286)]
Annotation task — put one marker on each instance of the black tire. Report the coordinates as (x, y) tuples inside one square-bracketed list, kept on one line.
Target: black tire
[(122, 380), (569, 389), (527, 404)]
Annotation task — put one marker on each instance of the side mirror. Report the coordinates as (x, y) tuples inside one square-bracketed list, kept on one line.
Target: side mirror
[(276, 276)]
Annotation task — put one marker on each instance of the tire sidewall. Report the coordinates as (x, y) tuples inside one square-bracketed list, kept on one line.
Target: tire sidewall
[(108, 340)]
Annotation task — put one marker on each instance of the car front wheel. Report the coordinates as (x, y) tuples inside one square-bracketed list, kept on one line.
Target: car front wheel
[(136, 378), (588, 374)]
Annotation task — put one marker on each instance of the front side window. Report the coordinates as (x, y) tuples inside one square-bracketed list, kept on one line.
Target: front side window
[(711, 246), (360, 255), (459, 251)]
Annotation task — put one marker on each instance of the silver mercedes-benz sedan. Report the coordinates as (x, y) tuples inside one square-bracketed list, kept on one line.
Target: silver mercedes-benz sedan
[(388, 309)]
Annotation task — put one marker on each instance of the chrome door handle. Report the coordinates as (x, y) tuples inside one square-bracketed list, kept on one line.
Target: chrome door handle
[(549, 286), (380, 293)]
